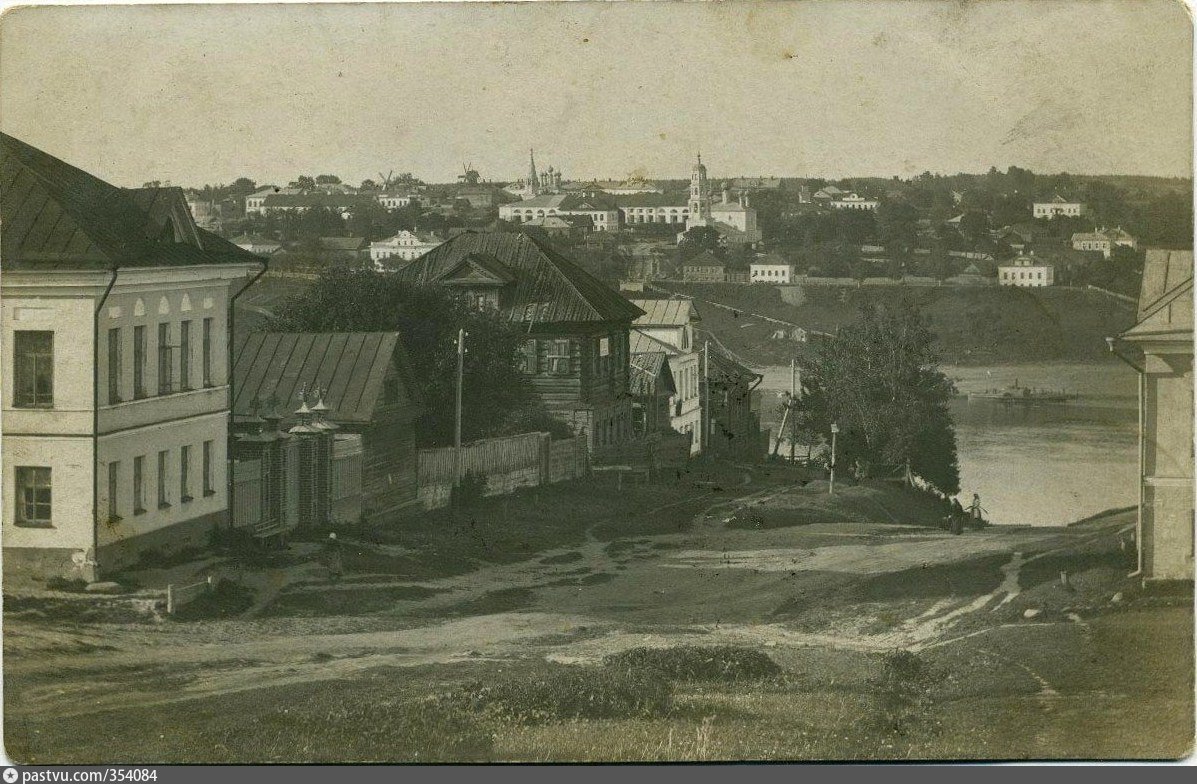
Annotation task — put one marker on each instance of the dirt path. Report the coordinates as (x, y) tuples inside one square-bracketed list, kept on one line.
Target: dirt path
[(176, 662)]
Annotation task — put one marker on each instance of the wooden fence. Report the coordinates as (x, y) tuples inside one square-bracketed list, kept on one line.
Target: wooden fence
[(507, 464)]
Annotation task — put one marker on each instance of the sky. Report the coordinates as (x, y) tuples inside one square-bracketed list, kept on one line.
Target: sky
[(836, 88)]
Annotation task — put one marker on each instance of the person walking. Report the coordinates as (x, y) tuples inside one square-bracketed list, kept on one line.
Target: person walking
[(332, 558), (975, 512), (958, 515)]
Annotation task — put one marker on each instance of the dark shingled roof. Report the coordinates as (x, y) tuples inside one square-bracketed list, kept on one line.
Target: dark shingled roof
[(55, 216), (548, 287), (347, 367)]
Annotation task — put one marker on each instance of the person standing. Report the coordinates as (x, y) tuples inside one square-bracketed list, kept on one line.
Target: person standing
[(332, 558)]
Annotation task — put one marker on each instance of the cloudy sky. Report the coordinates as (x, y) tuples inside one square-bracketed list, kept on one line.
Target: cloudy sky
[(831, 88)]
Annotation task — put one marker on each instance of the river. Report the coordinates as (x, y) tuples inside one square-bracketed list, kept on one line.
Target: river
[(1038, 465)]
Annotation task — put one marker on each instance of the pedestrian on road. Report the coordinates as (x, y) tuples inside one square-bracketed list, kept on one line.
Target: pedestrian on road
[(976, 512), (332, 558), (958, 515)]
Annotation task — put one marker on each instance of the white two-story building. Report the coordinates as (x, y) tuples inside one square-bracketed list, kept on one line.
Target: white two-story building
[(404, 246), (115, 314)]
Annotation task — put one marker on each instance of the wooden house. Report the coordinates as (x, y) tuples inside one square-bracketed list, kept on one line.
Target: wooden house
[(576, 352), (651, 386), (363, 378), (735, 428)]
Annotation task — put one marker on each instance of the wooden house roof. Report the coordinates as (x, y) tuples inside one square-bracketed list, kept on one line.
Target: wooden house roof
[(650, 374), (547, 287), (347, 367), (666, 312)]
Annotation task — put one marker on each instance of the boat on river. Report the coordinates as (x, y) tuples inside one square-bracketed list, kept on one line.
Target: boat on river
[(1024, 396)]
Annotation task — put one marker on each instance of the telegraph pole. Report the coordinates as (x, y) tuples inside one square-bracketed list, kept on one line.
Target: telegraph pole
[(793, 399), (706, 383), (461, 336), (835, 429)]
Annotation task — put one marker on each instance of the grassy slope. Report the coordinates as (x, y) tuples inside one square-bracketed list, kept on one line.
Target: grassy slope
[(973, 326)]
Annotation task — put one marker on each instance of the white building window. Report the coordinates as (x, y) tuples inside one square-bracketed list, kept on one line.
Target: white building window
[(34, 497), (33, 369)]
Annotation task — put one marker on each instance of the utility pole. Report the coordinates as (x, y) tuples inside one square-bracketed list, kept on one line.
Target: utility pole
[(461, 336), (706, 384), (793, 399), (835, 429)]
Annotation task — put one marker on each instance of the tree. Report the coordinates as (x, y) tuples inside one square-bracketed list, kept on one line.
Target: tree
[(879, 381), (497, 398), (305, 183), (897, 224), (327, 179), (698, 239)]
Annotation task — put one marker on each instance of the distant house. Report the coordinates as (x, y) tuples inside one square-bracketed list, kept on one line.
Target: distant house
[(1026, 271), (1164, 337), (571, 226), (771, 269), (756, 183), (652, 207), (404, 246), (397, 201), (668, 326), (599, 207), (300, 201), (651, 386), (854, 201), (254, 243), (1058, 207), (207, 214), (739, 274), (576, 352), (365, 380), (828, 194), (704, 267), (1103, 241)]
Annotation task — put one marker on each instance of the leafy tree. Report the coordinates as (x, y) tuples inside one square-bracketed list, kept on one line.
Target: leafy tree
[(697, 239), (305, 183), (242, 186), (897, 224), (497, 398), (327, 179), (879, 381)]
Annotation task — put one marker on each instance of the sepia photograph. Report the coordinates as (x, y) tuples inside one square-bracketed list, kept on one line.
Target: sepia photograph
[(596, 382)]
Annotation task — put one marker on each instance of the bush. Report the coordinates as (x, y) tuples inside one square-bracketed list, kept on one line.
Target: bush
[(903, 694), (72, 585), (572, 693), (696, 663)]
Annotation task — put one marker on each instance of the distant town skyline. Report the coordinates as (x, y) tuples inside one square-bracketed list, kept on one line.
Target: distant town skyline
[(205, 94)]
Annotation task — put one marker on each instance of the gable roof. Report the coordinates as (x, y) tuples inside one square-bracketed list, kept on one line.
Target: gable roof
[(651, 199), (640, 343), (726, 370), (646, 368), (666, 312), (56, 216), (347, 367), (1166, 296), (547, 286)]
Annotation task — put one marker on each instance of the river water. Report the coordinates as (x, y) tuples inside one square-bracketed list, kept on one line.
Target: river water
[(1038, 465)]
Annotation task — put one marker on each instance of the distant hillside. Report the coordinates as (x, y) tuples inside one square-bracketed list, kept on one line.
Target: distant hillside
[(973, 326)]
